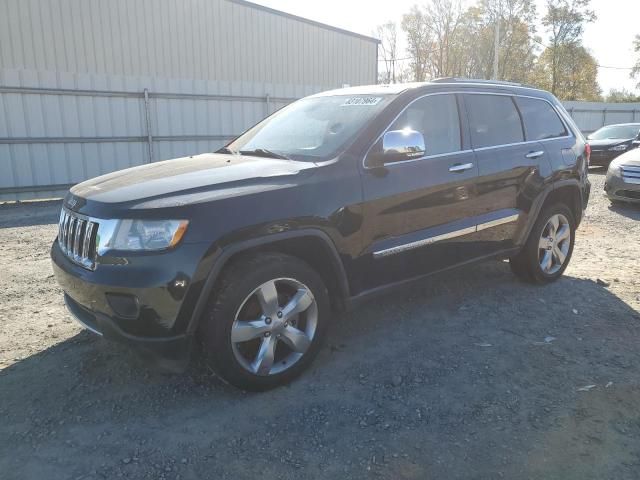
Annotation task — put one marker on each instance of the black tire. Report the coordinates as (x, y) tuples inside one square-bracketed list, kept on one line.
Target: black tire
[(236, 285), (526, 264)]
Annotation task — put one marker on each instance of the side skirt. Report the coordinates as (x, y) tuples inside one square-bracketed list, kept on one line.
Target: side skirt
[(356, 301)]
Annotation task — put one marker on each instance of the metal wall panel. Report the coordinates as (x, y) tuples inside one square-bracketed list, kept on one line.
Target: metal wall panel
[(193, 39), (103, 55), (590, 116)]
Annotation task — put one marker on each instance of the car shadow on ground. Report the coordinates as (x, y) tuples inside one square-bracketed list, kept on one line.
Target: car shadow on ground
[(468, 374), (23, 214), (628, 210)]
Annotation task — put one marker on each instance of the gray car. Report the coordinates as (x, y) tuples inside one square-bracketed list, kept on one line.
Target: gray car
[(623, 178)]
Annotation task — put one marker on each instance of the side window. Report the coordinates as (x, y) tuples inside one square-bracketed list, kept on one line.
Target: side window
[(540, 119), (494, 120), (436, 117)]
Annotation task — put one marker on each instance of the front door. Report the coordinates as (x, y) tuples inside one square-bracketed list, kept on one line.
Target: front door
[(419, 214)]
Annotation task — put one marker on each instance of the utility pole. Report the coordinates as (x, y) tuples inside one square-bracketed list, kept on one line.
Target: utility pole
[(496, 49)]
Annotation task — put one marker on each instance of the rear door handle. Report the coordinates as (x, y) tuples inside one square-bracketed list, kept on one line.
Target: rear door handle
[(460, 167), (536, 154)]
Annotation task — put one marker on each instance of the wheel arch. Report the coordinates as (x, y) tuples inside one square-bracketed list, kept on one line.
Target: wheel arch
[(568, 192), (310, 245)]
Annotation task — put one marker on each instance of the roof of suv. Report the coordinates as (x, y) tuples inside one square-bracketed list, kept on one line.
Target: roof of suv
[(398, 88)]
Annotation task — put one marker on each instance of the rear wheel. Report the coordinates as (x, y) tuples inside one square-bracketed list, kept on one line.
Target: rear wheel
[(267, 321), (548, 250)]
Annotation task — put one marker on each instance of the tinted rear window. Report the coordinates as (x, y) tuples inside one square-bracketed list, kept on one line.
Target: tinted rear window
[(540, 119), (494, 120)]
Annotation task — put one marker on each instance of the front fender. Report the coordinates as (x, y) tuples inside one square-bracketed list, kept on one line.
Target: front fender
[(216, 259)]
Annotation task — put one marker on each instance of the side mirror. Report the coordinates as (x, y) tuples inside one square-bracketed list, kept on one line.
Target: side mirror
[(398, 145)]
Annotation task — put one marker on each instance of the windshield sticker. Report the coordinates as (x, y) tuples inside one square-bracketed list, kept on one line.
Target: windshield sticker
[(361, 101)]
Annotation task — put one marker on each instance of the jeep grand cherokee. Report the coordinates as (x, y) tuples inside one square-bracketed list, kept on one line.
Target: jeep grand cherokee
[(247, 251)]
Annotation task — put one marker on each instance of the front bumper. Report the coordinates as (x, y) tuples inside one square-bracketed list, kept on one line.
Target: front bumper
[(603, 157), (617, 189), (142, 301), (169, 353)]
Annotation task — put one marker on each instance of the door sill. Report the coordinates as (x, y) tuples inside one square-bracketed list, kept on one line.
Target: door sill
[(364, 296)]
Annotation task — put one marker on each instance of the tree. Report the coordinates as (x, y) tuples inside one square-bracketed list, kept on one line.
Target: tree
[(565, 21), (414, 26), (432, 33), (517, 45), (388, 36), (575, 76), (443, 19), (635, 72), (621, 96)]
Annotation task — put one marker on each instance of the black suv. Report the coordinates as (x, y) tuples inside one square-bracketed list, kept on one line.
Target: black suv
[(335, 197)]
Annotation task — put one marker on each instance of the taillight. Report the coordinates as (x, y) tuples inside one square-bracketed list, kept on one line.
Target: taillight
[(587, 152)]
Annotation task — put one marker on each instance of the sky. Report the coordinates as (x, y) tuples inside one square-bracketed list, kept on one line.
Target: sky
[(609, 39)]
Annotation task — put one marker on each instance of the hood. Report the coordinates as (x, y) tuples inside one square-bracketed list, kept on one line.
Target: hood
[(184, 177), (631, 158), (607, 142)]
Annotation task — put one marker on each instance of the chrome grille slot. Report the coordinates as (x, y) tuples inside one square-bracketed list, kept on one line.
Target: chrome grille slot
[(77, 238), (630, 173)]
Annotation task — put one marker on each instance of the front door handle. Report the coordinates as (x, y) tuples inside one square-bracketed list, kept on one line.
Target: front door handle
[(536, 154), (460, 167)]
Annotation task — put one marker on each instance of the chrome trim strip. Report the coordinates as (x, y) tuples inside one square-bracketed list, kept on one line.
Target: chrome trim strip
[(82, 324), (87, 239), (75, 235), (423, 242), (461, 92), (499, 221), (426, 157), (445, 236), (635, 181), (630, 168)]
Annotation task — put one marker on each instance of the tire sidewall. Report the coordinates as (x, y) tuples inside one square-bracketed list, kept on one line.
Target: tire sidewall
[(533, 250), (237, 287)]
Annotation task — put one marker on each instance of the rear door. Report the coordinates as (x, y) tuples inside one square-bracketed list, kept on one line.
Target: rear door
[(542, 123), (509, 168)]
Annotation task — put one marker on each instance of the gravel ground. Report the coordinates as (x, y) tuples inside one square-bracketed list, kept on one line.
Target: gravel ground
[(470, 374)]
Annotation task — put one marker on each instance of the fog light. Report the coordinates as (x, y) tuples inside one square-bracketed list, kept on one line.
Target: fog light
[(123, 305)]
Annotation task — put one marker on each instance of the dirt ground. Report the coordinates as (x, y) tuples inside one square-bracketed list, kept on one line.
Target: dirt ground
[(470, 374)]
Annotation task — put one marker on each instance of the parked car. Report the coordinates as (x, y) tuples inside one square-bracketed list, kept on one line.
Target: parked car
[(623, 178), (613, 140), (334, 198)]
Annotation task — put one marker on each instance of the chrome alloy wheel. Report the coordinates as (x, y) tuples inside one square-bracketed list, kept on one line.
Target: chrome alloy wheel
[(274, 326), (554, 244)]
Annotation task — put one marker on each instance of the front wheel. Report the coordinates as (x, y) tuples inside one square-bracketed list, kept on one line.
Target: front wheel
[(548, 250), (266, 322)]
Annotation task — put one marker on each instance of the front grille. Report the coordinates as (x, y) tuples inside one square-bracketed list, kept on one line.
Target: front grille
[(77, 239), (630, 174)]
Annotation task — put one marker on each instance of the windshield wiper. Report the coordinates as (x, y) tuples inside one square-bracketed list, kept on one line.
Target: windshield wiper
[(263, 152), (226, 150)]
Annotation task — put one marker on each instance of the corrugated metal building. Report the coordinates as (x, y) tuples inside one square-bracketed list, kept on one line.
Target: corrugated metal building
[(590, 116), (91, 86)]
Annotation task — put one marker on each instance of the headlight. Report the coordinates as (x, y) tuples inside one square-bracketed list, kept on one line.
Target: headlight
[(139, 235), (614, 169), (619, 148)]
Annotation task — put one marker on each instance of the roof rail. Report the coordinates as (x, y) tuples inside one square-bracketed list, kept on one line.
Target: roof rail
[(474, 80)]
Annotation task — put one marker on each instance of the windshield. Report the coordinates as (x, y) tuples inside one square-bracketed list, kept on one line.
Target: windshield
[(616, 132), (312, 129)]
